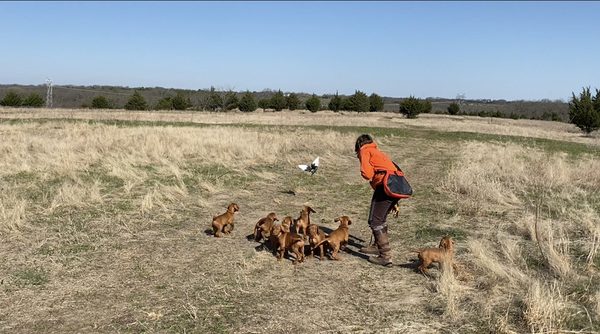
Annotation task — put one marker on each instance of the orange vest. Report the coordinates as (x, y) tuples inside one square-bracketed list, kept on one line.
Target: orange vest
[(372, 160)]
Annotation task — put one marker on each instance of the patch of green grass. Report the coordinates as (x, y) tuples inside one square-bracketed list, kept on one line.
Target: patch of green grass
[(31, 276), (434, 233), (22, 177)]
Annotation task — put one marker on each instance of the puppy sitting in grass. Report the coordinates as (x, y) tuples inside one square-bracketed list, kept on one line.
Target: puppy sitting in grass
[(337, 238), (315, 236), (443, 255), (224, 223)]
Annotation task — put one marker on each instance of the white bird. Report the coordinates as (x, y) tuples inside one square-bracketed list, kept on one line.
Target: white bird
[(312, 168)]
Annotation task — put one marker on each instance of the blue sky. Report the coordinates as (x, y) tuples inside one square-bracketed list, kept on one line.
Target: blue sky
[(496, 50)]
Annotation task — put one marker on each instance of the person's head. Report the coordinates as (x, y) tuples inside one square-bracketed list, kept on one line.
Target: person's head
[(362, 140)]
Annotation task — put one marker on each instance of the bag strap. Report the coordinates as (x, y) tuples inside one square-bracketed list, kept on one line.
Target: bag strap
[(385, 171)]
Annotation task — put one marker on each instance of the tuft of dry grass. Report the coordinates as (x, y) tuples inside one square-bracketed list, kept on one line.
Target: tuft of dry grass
[(546, 307)]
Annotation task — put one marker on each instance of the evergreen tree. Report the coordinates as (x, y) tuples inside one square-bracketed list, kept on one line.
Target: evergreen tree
[(181, 102), (231, 101), (247, 102), (34, 100), (215, 102), (412, 107), (100, 102), (292, 101), (336, 103), (264, 104), (166, 103), (359, 102), (375, 102), (278, 101), (584, 111), (453, 108), (136, 102), (313, 103), (11, 99)]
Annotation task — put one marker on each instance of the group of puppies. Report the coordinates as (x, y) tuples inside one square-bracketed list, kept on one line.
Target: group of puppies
[(291, 235)]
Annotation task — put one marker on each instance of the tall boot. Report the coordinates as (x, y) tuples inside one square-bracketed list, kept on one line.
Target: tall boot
[(383, 245), (371, 248)]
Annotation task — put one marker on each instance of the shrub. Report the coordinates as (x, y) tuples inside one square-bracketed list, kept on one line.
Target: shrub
[(412, 107), (247, 102), (359, 102), (100, 102), (136, 102), (165, 103), (375, 102), (180, 102), (264, 104), (453, 108), (34, 100), (231, 101), (11, 99), (584, 111), (292, 101), (215, 102), (278, 101), (313, 103), (336, 103)]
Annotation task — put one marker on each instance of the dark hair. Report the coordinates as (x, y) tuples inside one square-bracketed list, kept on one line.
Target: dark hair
[(362, 140)]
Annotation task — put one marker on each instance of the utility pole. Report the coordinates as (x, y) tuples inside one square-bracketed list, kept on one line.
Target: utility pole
[(49, 93)]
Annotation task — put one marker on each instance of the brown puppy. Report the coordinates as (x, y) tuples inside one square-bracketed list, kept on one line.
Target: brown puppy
[(286, 224), (289, 241), (224, 223), (304, 220), (443, 254), (315, 236), (339, 237), (263, 227)]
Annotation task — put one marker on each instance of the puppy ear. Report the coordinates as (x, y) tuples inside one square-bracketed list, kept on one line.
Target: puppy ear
[(337, 219), (311, 210)]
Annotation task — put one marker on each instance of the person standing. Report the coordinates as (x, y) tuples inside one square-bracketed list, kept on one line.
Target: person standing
[(373, 166)]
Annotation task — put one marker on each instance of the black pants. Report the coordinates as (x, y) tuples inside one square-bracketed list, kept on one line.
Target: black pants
[(381, 204)]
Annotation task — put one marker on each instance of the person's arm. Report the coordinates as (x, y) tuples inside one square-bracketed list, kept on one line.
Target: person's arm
[(366, 169)]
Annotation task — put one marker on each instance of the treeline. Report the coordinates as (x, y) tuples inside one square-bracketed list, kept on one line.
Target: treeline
[(158, 98)]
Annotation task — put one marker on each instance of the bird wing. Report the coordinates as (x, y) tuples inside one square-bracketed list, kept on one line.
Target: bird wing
[(316, 162), (303, 167)]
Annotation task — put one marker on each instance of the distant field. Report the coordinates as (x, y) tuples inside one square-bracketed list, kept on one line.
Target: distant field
[(103, 218)]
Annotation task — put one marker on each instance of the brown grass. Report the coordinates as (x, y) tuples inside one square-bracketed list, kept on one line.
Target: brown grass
[(103, 229)]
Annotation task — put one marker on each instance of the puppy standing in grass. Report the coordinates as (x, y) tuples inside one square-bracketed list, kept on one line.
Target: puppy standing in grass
[(337, 238), (304, 220), (262, 229), (224, 223), (373, 164), (288, 241), (315, 236), (444, 254)]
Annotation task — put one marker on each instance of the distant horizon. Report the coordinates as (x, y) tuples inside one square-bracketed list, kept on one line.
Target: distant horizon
[(286, 91), (485, 50)]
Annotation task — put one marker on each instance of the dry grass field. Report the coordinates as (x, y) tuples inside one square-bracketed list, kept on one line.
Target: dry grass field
[(103, 219)]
